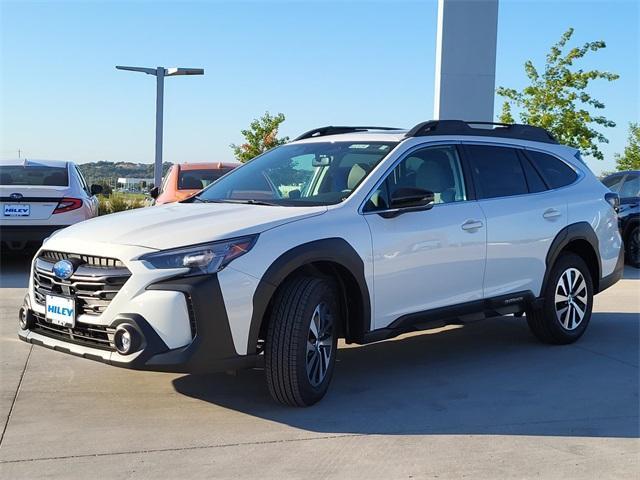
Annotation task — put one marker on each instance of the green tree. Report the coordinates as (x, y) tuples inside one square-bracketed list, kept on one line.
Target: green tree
[(630, 159), (261, 136), (557, 98)]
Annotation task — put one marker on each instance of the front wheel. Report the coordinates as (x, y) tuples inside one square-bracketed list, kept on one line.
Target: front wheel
[(301, 344), (567, 302)]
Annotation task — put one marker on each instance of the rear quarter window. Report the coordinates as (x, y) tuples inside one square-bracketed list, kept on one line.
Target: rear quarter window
[(554, 171)]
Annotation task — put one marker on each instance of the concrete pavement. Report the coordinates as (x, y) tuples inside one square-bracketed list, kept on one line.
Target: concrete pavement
[(483, 401)]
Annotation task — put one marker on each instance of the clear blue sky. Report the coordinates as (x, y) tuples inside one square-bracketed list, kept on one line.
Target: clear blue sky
[(319, 63)]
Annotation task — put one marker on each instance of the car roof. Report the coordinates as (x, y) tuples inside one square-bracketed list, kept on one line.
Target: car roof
[(28, 162), (208, 165)]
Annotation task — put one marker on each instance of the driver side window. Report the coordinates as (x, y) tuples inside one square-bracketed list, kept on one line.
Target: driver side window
[(436, 169)]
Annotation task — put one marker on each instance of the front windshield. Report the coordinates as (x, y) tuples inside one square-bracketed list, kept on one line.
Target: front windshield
[(300, 174)]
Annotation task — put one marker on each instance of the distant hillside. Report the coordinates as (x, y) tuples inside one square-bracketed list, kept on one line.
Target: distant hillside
[(97, 172)]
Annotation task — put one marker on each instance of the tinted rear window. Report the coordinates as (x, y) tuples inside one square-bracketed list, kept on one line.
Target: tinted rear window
[(198, 179), (497, 171), (555, 172), (33, 175)]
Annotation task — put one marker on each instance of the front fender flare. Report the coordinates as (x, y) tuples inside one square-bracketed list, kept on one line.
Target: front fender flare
[(335, 250)]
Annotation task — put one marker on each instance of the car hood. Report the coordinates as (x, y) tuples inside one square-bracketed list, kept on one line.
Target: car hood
[(179, 224)]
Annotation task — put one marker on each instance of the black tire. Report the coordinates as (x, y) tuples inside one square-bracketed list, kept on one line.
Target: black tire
[(545, 322), (288, 335), (632, 246)]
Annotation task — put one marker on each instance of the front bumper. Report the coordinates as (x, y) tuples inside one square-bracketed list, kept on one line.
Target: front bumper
[(211, 348)]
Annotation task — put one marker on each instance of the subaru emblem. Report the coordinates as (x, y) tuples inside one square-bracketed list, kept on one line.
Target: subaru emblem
[(15, 196), (63, 269)]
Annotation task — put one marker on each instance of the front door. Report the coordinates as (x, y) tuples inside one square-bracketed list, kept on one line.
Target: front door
[(431, 258)]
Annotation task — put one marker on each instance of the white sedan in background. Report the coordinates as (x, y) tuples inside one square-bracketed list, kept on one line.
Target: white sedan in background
[(38, 197)]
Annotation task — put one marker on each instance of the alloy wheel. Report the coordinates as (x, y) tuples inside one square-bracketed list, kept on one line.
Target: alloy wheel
[(319, 344), (571, 299)]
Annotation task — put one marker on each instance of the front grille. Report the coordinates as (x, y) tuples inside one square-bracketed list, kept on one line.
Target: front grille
[(91, 260), (94, 336), (93, 284)]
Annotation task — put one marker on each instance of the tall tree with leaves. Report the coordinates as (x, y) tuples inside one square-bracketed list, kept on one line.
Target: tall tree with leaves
[(630, 158), (557, 99), (262, 135)]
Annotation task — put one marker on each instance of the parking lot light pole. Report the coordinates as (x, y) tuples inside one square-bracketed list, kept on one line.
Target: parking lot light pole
[(160, 73)]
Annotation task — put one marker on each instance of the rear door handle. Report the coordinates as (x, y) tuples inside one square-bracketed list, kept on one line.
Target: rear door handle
[(551, 213), (472, 225)]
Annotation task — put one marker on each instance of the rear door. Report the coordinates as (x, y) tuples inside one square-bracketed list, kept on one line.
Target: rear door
[(523, 217)]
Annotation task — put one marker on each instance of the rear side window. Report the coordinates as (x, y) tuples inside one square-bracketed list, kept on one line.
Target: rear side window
[(33, 175), (497, 170), (555, 172)]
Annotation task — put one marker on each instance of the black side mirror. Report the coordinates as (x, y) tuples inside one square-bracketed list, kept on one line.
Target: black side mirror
[(154, 192), (96, 189), (409, 199)]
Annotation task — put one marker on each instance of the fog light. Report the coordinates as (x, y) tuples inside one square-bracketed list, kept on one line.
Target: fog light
[(25, 318), (126, 339)]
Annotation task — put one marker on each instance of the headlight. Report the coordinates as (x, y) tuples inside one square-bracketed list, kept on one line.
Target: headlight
[(203, 258)]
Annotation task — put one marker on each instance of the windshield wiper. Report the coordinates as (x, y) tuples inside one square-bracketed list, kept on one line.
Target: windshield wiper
[(248, 201)]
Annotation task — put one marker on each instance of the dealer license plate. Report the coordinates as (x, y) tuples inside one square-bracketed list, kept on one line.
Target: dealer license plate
[(60, 310), (16, 210)]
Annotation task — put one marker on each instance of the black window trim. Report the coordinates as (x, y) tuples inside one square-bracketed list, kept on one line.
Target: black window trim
[(469, 186)]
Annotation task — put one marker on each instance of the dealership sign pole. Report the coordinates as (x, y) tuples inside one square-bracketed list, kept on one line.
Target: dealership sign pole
[(465, 60), (160, 73)]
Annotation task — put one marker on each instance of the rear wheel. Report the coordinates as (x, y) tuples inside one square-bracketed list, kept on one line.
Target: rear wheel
[(632, 246), (567, 302), (301, 344)]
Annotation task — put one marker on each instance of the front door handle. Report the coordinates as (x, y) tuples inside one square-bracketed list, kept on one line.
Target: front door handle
[(551, 213), (472, 225)]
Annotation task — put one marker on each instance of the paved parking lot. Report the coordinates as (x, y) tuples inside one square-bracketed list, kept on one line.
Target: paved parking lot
[(483, 401)]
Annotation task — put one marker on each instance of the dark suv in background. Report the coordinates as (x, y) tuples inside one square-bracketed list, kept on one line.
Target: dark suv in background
[(627, 186)]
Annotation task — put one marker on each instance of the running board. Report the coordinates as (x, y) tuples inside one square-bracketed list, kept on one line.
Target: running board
[(454, 315)]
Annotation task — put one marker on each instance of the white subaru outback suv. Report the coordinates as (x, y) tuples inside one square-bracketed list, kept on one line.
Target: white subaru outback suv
[(363, 233)]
